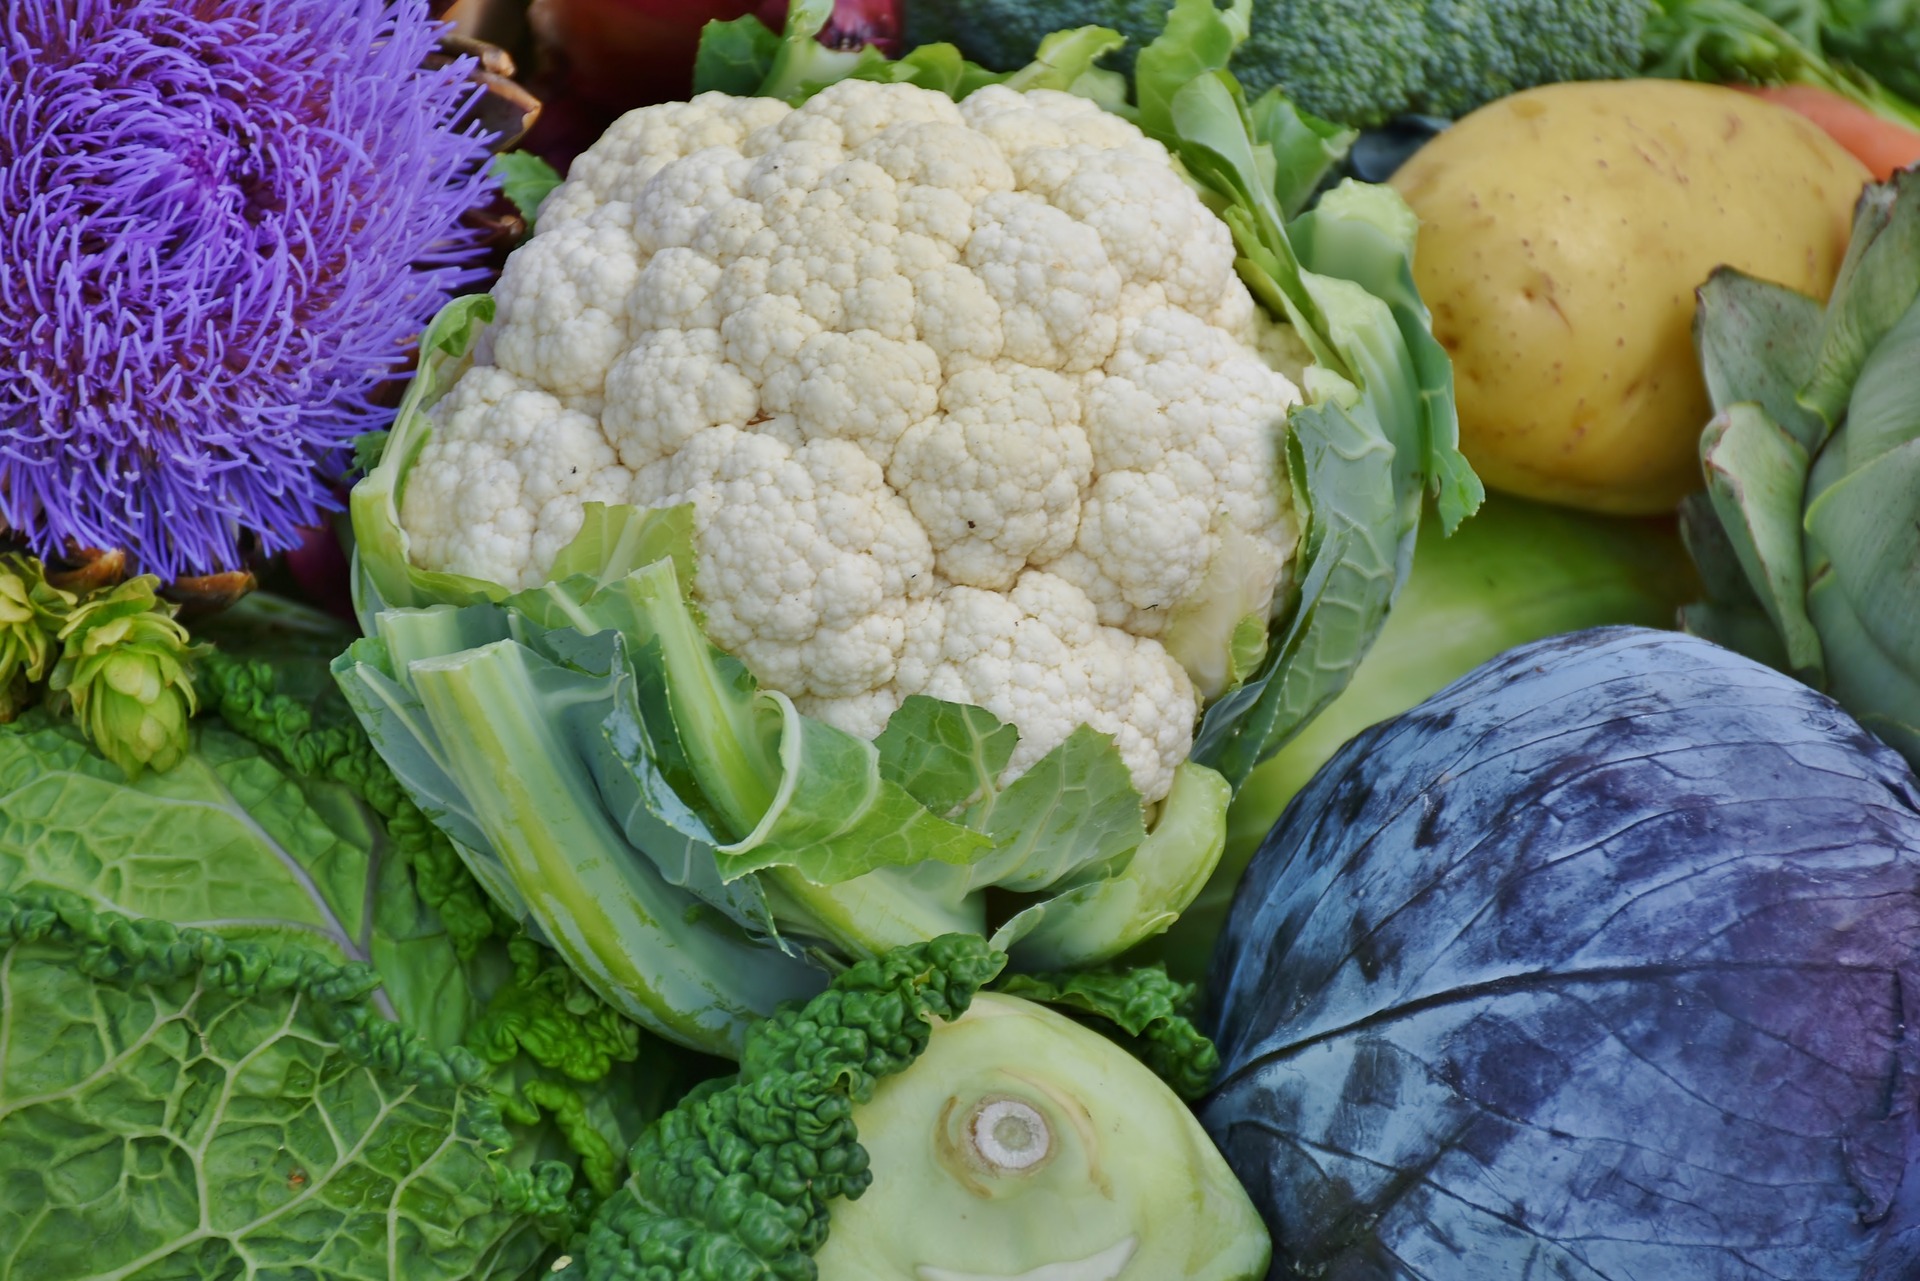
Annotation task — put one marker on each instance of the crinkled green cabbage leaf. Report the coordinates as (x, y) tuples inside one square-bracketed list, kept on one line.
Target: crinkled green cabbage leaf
[(255, 1017)]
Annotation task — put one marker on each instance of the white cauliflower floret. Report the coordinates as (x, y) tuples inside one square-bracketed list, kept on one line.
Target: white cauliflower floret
[(1038, 658), (826, 614), (518, 466), (967, 398), (562, 308), (996, 478)]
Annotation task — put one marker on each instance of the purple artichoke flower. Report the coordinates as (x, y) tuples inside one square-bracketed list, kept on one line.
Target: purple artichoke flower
[(221, 222)]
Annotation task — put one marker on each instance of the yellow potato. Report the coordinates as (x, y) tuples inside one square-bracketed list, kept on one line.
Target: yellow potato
[(1563, 232)]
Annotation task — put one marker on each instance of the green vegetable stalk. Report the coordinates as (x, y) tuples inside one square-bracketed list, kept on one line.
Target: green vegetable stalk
[(1808, 537), (1838, 47)]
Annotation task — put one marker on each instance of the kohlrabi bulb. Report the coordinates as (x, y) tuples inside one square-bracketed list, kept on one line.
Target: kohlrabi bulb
[(1024, 1147)]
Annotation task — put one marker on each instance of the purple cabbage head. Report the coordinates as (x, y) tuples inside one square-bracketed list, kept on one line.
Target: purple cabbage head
[(221, 221), (1603, 964)]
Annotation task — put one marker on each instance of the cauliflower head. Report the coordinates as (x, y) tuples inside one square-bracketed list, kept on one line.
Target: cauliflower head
[(967, 398)]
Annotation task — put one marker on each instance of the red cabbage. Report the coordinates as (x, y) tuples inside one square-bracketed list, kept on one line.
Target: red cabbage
[(1599, 964)]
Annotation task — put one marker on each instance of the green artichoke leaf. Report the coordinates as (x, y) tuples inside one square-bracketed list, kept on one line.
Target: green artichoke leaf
[(1884, 412), (1719, 567), (1756, 478), (1877, 283), (1758, 342), (1879, 688), (1744, 629), (1864, 533)]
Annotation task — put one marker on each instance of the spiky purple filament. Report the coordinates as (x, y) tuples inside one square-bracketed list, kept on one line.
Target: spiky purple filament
[(221, 222)]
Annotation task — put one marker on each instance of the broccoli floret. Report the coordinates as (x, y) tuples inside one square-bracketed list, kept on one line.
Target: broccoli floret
[(1479, 50), (1359, 62), (1001, 35), (734, 1183)]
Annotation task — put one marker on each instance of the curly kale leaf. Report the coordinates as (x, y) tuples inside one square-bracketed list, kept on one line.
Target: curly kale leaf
[(1141, 1009), (734, 1183)]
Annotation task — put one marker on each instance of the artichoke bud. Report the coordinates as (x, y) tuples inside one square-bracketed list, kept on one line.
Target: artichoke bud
[(125, 668), (1812, 554), (31, 613)]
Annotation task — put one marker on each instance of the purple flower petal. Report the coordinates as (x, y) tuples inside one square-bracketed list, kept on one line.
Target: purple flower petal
[(221, 224)]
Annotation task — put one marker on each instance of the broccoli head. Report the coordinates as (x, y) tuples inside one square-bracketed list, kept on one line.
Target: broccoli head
[(1359, 62)]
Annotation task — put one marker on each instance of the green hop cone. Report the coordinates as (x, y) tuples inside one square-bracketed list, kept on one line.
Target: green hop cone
[(125, 667), (31, 614)]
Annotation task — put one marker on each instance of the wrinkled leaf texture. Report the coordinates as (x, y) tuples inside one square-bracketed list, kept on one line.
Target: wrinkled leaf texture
[(197, 1075), (1597, 965)]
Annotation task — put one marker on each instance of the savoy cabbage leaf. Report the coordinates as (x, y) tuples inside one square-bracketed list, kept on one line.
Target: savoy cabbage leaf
[(257, 1019)]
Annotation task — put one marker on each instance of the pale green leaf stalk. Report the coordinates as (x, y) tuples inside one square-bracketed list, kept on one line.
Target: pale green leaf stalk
[(125, 669), (32, 611), (1096, 920)]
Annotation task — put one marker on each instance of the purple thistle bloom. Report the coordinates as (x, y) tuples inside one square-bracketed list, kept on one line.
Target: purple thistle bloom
[(221, 223)]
